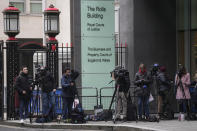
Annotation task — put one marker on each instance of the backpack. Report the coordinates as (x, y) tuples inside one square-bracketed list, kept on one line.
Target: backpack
[(153, 119), (131, 110), (77, 115)]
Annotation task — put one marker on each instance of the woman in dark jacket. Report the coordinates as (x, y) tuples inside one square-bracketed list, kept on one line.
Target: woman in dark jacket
[(142, 81)]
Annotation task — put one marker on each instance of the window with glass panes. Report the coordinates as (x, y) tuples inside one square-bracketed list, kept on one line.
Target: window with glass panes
[(20, 4), (36, 6)]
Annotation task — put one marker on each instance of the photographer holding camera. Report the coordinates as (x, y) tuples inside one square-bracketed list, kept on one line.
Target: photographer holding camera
[(68, 92), (47, 84), (182, 82), (142, 81)]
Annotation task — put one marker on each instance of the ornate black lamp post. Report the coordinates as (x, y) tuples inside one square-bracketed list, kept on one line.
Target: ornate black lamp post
[(11, 28), (51, 28)]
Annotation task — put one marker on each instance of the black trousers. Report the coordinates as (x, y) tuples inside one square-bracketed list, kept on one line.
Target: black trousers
[(67, 107), (184, 105)]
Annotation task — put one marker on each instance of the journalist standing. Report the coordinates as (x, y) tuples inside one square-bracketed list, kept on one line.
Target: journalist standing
[(47, 83), (182, 82), (142, 81), (68, 94), (23, 86), (164, 88)]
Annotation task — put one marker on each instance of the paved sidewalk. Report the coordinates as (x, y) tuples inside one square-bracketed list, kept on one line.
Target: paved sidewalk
[(172, 125)]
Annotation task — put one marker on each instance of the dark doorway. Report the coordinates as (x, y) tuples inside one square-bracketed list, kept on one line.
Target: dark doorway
[(27, 49), (26, 58)]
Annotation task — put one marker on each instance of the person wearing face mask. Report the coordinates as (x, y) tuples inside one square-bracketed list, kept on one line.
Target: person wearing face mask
[(68, 94), (142, 81)]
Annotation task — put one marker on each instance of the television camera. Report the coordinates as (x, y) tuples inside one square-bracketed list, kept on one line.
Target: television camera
[(121, 76), (154, 69), (39, 76)]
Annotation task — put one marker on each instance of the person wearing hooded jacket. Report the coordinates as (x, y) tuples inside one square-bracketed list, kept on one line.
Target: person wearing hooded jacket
[(48, 87), (142, 81), (164, 87), (24, 89)]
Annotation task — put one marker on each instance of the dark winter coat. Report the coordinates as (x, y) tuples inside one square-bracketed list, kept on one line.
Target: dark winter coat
[(164, 82), (48, 83), (22, 83), (67, 89), (142, 81)]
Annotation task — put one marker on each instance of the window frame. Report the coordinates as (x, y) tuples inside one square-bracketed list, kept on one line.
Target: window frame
[(20, 1), (35, 2)]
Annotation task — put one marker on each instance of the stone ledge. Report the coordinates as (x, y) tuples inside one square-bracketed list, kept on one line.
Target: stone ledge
[(108, 126)]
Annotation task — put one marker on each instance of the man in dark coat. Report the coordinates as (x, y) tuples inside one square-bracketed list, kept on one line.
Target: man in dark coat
[(164, 87), (47, 83), (23, 86), (68, 94)]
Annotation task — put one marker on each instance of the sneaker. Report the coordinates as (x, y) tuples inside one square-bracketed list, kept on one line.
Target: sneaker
[(21, 121), (139, 118)]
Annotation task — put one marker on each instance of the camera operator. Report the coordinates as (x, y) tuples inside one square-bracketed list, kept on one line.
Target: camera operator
[(164, 88), (68, 94), (121, 77), (47, 84), (142, 81), (182, 82), (23, 86)]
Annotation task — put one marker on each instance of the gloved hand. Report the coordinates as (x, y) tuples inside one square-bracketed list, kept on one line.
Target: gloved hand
[(144, 86)]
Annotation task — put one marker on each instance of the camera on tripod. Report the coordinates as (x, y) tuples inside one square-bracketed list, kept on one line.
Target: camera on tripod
[(154, 69), (121, 76), (39, 76)]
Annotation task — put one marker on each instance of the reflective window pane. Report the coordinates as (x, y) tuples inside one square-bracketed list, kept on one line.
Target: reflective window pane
[(54, 25), (19, 5), (194, 52), (36, 8), (194, 14), (13, 24), (45, 25)]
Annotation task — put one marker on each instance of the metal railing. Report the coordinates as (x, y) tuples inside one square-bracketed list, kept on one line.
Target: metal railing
[(88, 101), (106, 94)]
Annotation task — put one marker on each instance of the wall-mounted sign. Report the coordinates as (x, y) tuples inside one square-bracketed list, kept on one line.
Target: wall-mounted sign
[(97, 43)]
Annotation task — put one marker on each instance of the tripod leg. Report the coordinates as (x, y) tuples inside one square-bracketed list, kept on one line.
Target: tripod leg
[(116, 102), (112, 100)]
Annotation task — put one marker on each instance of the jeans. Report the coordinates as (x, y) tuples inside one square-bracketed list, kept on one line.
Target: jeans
[(67, 107), (143, 103), (48, 103), (23, 108)]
